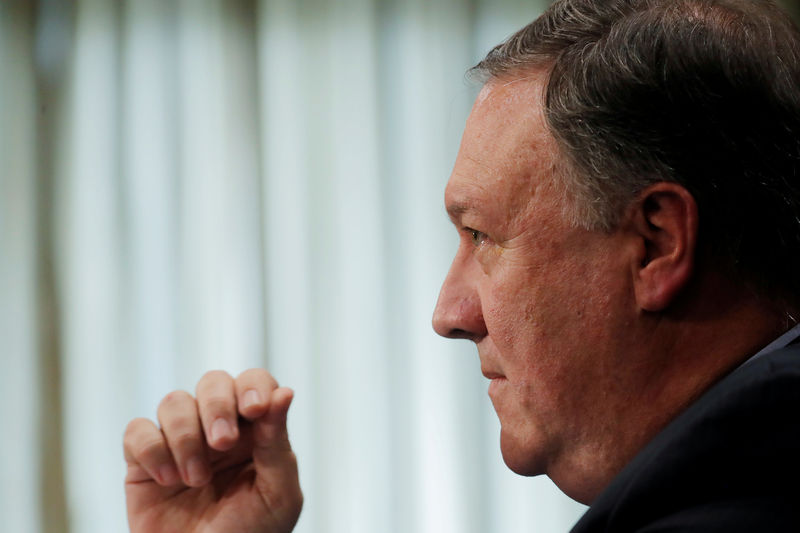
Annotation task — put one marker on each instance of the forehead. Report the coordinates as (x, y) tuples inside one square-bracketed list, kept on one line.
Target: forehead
[(507, 154)]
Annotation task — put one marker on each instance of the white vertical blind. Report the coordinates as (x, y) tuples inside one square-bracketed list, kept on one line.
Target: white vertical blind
[(90, 262), (352, 377), (149, 194), (426, 44), (18, 347), (259, 183), (219, 189), (286, 160)]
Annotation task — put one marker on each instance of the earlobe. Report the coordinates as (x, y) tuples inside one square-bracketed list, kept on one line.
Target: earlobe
[(664, 220)]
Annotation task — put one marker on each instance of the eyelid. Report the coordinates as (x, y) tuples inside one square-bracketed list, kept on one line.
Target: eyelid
[(475, 236)]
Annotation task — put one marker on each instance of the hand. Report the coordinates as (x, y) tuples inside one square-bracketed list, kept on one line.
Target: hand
[(219, 463)]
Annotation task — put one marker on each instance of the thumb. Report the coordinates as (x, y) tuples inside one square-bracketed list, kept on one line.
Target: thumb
[(275, 463)]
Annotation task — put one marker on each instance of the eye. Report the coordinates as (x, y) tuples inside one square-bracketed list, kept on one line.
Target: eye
[(477, 237)]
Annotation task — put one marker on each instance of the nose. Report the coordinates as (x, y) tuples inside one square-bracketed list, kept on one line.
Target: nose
[(458, 313)]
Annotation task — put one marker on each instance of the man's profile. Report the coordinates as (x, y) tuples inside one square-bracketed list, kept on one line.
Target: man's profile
[(627, 196)]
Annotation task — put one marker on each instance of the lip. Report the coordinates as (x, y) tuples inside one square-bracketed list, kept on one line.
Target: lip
[(488, 374), (497, 382)]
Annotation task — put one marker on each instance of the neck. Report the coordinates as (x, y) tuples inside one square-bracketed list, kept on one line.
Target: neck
[(679, 355)]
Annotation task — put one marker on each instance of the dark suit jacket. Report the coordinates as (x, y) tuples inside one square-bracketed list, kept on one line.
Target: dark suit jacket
[(729, 463)]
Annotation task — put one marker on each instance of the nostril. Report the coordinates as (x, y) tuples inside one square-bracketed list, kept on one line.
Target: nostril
[(459, 320), (444, 328), (459, 334)]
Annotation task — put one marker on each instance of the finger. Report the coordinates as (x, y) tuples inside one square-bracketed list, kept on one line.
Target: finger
[(271, 428), (253, 390), (180, 424), (216, 400), (147, 454), (275, 463)]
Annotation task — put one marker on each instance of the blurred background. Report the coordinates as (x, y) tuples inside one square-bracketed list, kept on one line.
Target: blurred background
[(190, 185)]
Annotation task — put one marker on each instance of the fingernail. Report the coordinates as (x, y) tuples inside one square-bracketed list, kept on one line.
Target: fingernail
[(251, 398), (168, 474), (196, 471), (220, 429)]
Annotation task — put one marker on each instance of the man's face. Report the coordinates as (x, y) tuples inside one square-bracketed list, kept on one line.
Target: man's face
[(545, 302)]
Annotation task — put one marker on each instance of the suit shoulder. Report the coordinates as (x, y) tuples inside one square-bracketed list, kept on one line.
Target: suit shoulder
[(730, 454)]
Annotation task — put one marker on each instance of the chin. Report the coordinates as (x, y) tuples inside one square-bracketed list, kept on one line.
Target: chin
[(529, 457), (521, 457)]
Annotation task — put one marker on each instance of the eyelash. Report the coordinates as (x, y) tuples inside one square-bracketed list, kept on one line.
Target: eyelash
[(475, 236)]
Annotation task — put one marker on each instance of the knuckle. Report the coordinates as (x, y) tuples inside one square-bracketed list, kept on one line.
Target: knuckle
[(134, 427), (142, 443), (285, 501), (252, 373), (213, 376), (291, 458), (180, 424), (257, 376), (174, 398), (184, 441), (133, 430), (212, 383), (150, 450), (218, 405)]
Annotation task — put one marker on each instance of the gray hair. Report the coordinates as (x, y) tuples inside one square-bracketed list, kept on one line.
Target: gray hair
[(704, 93)]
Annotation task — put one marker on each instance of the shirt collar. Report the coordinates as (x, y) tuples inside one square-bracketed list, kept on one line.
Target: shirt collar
[(782, 341)]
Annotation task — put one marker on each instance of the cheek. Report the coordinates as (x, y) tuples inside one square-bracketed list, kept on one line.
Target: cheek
[(521, 335), (509, 318), (533, 306), (543, 325)]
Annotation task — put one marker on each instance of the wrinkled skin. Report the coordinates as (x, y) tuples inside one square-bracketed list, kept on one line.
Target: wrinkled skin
[(593, 340), (195, 474), (543, 300)]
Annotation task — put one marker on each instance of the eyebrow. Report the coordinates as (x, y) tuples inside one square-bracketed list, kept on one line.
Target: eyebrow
[(456, 211)]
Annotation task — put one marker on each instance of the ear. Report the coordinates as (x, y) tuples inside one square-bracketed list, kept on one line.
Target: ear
[(664, 221)]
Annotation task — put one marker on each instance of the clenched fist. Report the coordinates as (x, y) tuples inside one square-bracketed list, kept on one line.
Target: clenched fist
[(219, 462)]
